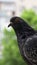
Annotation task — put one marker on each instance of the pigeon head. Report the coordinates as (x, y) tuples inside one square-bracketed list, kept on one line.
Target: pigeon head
[(15, 22), (21, 26)]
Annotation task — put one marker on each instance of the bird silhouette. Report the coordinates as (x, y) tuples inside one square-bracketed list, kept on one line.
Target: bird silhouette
[(27, 39)]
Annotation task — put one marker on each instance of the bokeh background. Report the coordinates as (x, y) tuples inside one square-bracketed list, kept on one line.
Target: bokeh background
[(26, 9)]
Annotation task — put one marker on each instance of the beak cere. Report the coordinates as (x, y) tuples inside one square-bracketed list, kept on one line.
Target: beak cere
[(10, 24)]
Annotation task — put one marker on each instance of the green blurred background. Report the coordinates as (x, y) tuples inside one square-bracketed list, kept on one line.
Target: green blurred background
[(11, 54)]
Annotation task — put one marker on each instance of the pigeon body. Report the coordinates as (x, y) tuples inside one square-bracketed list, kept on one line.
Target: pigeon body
[(27, 39)]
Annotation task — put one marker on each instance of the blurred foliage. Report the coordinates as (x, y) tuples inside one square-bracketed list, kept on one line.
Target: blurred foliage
[(31, 17), (11, 54)]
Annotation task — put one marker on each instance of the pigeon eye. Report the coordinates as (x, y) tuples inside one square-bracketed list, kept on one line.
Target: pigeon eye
[(16, 20)]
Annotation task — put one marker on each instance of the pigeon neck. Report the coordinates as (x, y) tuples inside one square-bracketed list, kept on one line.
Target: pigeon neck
[(23, 33), (20, 33), (24, 30)]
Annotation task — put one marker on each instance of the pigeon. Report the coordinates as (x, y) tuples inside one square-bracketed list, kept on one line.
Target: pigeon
[(27, 39)]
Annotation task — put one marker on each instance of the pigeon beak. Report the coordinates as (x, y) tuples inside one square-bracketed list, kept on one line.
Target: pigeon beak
[(10, 24)]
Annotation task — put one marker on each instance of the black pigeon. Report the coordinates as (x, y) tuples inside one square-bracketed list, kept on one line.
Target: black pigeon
[(27, 39)]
